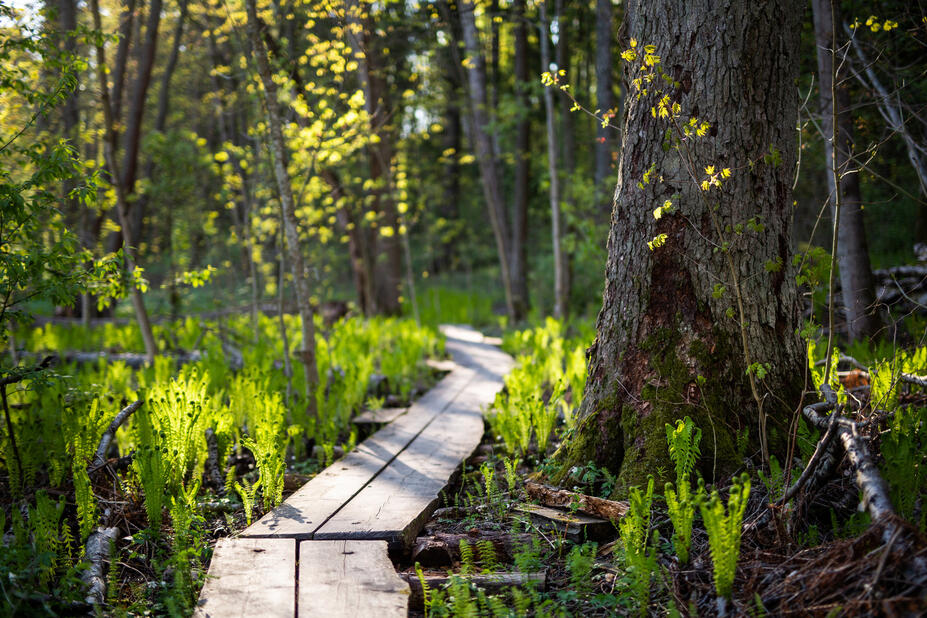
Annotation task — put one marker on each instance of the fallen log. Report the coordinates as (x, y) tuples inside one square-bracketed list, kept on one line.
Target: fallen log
[(443, 549), (489, 582), (554, 496)]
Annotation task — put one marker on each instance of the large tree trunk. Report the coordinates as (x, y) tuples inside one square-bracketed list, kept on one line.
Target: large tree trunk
[(857, 285), (666, 346), (516, 304), (288, 207)]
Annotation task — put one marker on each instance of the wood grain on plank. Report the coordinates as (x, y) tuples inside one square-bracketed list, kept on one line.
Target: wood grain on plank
[(307, 509), (349, 579), (250, 577), (381, 416)]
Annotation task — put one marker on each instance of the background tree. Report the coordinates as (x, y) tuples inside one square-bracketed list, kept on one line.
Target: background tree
[(857, 287)]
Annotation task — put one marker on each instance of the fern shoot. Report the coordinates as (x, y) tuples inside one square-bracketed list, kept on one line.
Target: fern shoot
[(683, 442), (724, 526)]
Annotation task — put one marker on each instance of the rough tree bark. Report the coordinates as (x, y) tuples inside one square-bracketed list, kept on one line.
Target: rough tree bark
[(665, 346), (512, 282), (287, 205), (856, 281)]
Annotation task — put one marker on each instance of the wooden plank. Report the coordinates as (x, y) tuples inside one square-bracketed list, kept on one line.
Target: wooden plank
[(307, 509), (349, 579), (250, 577), (398, 502), (577, 527), (378, 417), (441, 365)]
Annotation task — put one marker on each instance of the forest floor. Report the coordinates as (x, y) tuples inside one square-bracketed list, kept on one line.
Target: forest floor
[(816, 558)]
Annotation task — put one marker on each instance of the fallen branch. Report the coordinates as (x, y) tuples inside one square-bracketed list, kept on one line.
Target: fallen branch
[(96, 552), (554, 496), (99, 459)]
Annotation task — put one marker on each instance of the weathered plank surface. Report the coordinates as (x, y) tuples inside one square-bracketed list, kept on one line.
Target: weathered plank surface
[(307, 509), (250, 577), (349, 579), (379, 417), (396, 504), (577, 527)]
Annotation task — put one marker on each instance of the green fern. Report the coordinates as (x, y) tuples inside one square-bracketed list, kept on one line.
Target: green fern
[(488, 558), (466, 557), (579, 563), (246, 492), (683, 442), (86, 501), (426, 589), (723, 525), (635, 531), (511, 473), (461, 598)]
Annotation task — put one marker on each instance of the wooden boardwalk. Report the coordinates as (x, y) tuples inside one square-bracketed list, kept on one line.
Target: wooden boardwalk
[(324, 551)]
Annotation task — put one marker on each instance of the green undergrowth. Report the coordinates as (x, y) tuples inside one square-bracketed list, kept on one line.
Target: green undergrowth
[(545, 389), (51, 504), (636, 570)]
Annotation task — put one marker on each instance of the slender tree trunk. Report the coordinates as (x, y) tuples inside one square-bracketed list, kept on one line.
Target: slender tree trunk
[(136, 112), (670, 336), (386, 247), (604, 102), (109, 147), (856, 281), (126, 28), (70, 116), (522, 151), (476, 73), (360, 268), (567, 154), (164, 97), (560, 307), (294, 255)]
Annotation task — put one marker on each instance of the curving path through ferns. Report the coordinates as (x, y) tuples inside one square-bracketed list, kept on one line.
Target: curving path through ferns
[(325, 550)]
